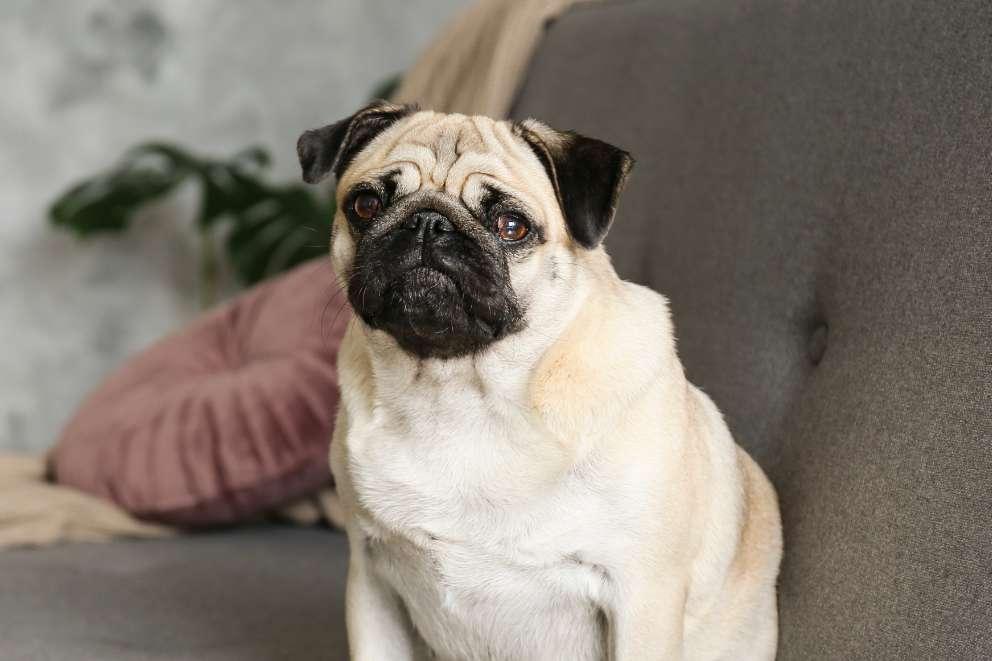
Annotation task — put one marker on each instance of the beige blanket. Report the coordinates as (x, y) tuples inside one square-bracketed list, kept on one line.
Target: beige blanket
[(474, 66), (477, 63), (35, 512)]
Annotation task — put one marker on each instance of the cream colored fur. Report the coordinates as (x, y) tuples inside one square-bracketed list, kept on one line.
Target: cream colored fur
[(564, 494)]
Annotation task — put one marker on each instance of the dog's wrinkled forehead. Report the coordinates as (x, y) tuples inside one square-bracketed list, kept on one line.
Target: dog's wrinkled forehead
[(557, 175), (456, 154)]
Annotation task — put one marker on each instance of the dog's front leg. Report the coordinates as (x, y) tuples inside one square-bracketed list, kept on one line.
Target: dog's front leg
[(646, 619), (378, 628)]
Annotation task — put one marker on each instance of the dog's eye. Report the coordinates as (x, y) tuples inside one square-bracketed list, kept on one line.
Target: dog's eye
[(511, 228), (367, 206)]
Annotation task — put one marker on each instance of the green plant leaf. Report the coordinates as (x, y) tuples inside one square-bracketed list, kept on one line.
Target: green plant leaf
[(285, 227), (269, 228), (108, 201)]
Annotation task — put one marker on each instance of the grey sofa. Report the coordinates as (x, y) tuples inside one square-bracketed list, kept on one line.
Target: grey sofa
[(814, 193)]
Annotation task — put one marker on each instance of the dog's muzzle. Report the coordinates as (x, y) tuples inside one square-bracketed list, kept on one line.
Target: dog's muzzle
[(429, 280)]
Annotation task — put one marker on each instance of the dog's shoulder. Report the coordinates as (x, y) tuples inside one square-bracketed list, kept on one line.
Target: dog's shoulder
[(619, 343)]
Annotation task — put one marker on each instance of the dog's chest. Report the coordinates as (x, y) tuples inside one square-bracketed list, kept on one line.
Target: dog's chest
[(470, 604), (484, 568)]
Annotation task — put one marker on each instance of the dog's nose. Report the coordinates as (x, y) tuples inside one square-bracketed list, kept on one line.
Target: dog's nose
[(427, 223)]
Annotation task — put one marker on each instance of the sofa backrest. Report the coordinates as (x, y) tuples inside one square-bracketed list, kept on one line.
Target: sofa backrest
[(813, 192)]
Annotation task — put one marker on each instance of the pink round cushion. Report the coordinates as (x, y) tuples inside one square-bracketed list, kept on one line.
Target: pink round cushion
[(226, 419)]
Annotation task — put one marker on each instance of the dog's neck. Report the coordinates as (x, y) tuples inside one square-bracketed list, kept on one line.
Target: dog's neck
[(570, 374)]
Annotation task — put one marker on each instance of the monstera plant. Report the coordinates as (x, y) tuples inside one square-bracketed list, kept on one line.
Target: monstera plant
[(269, 228)]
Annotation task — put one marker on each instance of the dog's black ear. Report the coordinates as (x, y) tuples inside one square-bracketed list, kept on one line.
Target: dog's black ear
[(588, 176), (333, 147)]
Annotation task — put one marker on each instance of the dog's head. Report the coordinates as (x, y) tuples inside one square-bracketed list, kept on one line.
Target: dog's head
[(451, 230)]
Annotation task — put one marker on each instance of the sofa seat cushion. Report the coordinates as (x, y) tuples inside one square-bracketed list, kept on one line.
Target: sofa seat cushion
[(252, 594)]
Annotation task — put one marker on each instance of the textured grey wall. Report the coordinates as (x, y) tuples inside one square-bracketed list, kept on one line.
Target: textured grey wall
[(82, 81)]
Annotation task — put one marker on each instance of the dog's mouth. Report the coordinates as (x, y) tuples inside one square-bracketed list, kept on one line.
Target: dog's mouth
[(425, 301), (424, 309), (434, 303), (422, 276)]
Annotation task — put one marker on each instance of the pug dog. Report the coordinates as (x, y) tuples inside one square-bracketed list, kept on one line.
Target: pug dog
[(524, 470)]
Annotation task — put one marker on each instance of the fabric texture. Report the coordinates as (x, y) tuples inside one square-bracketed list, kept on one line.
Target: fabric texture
[(249, 594), (223, 421), (476, 64), (813, 191), (36, 513)]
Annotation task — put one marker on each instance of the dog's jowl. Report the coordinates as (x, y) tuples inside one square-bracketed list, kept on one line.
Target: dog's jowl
[(526, 474)]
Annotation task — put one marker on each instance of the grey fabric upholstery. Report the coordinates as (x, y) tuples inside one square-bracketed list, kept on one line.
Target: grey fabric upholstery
[(259, 594), (814, 193)]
